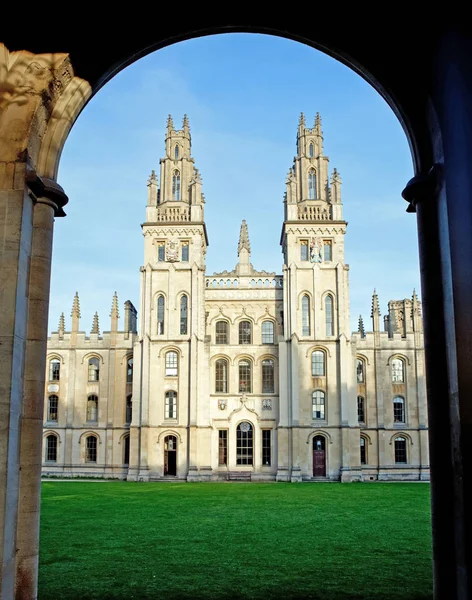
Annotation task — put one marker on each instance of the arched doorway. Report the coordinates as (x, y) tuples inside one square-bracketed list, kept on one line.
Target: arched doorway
[(319, 456), (170, 456)]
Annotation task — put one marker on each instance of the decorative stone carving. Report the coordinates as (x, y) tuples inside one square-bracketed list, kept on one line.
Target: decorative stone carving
[(222, 404), (315, 250), (267, 404), (172, 250)]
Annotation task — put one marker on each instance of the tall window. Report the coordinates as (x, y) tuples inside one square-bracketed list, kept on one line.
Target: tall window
[(327, 251), (171, 364), (183, 315), (129, 370), (267, 332), (160, 315), (400, 450), (318, 404), (329, 315), (91, 449), (92, 408), (311, 184), (221, 376), (268, 376), (398, 409), (398, 371), (221, 330), (245, 332), (93, 369), (245, 378), (53, 402), (304, 250), (222, 446), (176, 152), (305, 315), (54, 369), (360, 409), (129, 408), (51, 448), (171, 405), (161, 252), (363, 450), (360, 370), (176, 186), (266, 458), (244, 444), (184, 251), (126, 450), (310, 150), (317, 364)]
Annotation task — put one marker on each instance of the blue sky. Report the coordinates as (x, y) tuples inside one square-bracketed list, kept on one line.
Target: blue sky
[(243, 94)]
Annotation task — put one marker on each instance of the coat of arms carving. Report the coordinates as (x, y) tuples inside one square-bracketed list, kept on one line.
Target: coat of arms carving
[(172, 250)]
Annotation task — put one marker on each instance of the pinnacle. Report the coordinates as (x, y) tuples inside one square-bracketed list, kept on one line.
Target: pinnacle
[(360, 328), (170, 122), (75, 306), (114, 306), (375, 304), (61, 322), (95, 324), (185, 122), (301, 122), (244, 238)]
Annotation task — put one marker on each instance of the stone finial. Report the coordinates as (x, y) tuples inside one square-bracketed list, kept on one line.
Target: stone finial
[(170, 123), (375, 304), (76, 307), (244, 238), (95, 325), (335, 177), (185, 123), (301, 121), (317, 124), (360, 327), (196, 176), (62, 323), (152, 177), (114, 306)]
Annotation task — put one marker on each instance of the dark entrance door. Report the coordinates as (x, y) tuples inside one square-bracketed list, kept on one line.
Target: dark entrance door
[(170, 455), (319, 456)]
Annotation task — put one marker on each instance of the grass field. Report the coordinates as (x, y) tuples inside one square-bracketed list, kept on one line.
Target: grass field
[(235, 540)]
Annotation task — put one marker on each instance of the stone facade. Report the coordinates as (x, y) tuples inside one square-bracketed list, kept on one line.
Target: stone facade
[(241, 374)]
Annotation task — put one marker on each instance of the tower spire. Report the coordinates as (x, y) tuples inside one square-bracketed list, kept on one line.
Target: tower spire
[(244, 239)]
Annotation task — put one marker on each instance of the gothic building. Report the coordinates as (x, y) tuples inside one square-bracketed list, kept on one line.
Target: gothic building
[(242, 374)]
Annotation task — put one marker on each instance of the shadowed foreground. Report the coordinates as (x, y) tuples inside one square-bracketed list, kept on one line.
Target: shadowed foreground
[(122, 540)]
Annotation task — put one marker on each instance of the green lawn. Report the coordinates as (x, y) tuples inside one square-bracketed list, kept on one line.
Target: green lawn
[(235, 540)]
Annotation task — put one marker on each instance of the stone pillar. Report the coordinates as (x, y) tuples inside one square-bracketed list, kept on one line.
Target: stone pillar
[(39, 100)]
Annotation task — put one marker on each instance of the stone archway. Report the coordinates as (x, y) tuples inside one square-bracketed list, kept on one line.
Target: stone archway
[(429, 88)]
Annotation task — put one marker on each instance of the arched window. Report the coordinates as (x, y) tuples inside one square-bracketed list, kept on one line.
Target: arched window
[(360, 409), (51, 448), (126, 450), (244, 444), (221, 330), (91, 449), (171, 405), (176, 186), (183, 315), (267, 332), (161, 303), (245, 332), (398, 371), (54, 369), (92, 408), (176, 152), (329, 315), (318, 404), (268, 378), (363, 449), (311, 150), (129, 408), (245, 376), (318, 364), (221, 376), (129, 370), (398, 409), (305, 315), (360, 370), (311, 184), (400, 450), (53, 403), (172, 364), (93, 369)]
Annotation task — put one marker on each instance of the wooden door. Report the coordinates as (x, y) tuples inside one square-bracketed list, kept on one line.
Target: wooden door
[(319, 456)]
